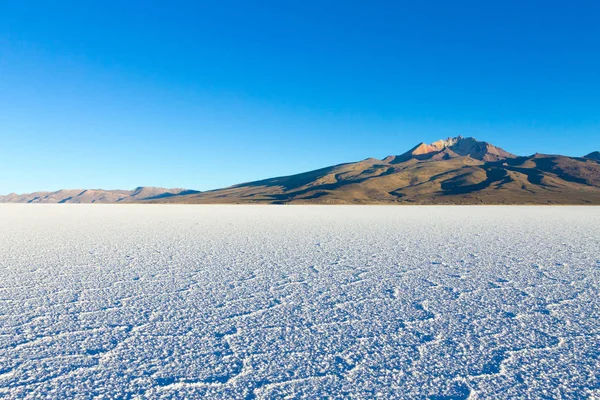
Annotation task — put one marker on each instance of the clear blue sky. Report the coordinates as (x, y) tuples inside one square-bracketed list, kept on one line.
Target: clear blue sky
[(118, 94)]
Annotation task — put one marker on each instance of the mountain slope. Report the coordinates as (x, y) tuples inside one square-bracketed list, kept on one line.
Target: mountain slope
[(453, 171), (95, 195)]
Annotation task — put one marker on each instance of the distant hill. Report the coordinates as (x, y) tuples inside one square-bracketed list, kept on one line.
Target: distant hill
[(453, 171), (96, 195), (595, 155)]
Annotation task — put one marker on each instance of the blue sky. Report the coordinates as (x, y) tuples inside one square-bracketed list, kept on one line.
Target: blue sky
[(201, 95)]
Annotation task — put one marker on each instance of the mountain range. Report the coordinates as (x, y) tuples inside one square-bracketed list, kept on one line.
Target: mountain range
[(96, 195), (457, 170)]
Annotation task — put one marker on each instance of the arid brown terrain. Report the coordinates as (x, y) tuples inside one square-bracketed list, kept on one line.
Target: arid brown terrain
[(453, 171)]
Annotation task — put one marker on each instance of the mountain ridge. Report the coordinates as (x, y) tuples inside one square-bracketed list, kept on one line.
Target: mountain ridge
[(138, 194), (455, 170)]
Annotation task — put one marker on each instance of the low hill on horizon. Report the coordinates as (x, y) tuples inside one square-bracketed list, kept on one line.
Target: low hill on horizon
[(457, 170), (95, 195)]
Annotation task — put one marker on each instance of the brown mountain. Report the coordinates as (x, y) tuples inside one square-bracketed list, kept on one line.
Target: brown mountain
[(452, 171), (95, 196)]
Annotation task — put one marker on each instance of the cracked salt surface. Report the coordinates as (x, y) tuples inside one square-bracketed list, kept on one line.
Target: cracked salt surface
[(126, 301)]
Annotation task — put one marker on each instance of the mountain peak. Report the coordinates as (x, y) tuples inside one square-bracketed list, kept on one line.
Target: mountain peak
[(451, 141), (452, 147)]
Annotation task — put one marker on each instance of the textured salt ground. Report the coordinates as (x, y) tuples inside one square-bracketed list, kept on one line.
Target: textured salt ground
[(126, 301)]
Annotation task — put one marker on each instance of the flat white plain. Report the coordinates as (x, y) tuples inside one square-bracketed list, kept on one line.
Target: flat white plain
[(148, 301)]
